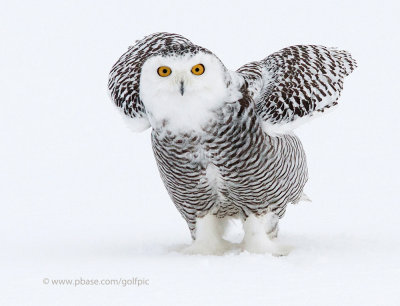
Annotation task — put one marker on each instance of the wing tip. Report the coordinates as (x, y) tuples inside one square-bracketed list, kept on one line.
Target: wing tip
[(346, 59)]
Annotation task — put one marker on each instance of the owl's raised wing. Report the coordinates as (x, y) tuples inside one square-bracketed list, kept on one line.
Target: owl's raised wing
[(296, 83), (124, 77)]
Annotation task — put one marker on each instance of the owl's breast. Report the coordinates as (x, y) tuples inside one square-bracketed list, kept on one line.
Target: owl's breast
[(230, 165)]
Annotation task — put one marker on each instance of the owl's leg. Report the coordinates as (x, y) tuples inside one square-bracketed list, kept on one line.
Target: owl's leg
[(256, 240), (272, 225), (208, 236)]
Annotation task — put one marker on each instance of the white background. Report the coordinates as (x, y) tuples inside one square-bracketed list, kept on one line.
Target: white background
[(81, 196)]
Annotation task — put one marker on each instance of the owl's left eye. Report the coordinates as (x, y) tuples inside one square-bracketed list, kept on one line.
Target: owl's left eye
[(164, 71), (198, 69)]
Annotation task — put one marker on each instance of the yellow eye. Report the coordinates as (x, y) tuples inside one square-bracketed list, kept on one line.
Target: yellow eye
[(198, 69), (164, 71)]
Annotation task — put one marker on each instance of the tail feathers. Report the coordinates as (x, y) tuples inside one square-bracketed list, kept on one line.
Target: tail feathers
[(303, 198)]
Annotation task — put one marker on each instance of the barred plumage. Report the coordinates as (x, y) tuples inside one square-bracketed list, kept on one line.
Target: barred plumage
[(214, 136), (258, 172), (296, 82)]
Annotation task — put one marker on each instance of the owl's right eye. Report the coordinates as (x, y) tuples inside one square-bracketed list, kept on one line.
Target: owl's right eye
[(164, 71)]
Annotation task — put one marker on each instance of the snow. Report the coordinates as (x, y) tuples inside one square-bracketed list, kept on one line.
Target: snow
[(81, 196)]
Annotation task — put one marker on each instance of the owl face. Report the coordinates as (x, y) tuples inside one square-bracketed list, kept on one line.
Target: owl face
[(182, 91)]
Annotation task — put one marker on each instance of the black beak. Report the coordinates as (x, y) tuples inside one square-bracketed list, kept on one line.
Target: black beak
[(182, 89)]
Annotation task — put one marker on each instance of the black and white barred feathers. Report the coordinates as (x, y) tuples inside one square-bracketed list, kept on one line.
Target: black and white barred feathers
[(297, 81), (236, 164)]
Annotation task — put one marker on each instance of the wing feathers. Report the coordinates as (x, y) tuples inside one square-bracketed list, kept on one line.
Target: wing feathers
[(296, 82)]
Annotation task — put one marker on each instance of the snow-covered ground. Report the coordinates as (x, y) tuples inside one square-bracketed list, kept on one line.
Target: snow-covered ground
[(81, 196)]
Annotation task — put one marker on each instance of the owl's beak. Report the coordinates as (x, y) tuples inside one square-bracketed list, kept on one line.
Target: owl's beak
[(182, 88)]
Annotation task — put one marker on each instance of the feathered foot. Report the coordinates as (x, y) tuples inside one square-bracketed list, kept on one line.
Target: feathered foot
[(257, 241), (209, 231), (271, 225)]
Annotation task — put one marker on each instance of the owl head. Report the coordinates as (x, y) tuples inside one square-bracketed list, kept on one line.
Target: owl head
[(165, 80)]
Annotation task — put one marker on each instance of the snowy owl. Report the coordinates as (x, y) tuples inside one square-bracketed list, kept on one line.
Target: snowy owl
[(223, 140)]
